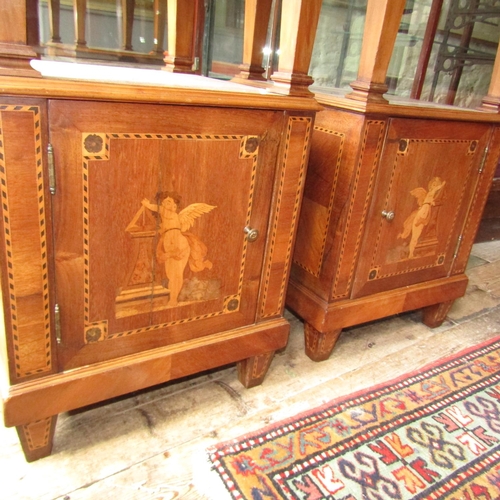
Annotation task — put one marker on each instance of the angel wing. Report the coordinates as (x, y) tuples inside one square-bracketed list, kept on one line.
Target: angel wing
[(188, 215), (420, 194)]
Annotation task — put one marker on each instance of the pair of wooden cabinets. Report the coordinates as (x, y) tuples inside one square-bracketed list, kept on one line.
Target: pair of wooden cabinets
[(392, 202), (147, 233), (142, 242)]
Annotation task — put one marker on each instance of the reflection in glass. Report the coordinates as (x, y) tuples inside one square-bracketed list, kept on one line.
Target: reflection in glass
[(226, 41), (461, 54), (337, 45), (444, 51), (103, 29)]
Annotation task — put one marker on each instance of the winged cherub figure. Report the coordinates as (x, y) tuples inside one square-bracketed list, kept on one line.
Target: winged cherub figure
[(420, 217), (176, 247)]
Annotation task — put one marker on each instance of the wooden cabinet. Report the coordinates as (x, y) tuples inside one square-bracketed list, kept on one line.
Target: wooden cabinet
[(143, 239), (391, 206)]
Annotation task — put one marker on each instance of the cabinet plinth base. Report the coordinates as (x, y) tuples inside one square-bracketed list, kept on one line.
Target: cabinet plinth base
[(325, 321), (32, 407)]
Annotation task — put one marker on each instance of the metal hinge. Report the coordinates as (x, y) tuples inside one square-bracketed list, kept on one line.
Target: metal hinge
[(57, 319), (52, 170), (459, 242), (483, 160)]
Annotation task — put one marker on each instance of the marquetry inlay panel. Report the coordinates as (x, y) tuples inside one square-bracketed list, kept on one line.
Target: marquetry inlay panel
[(426, 229), (316, 216), (286, 214), (97, 147), (38, 433), (371, 147), (26, 259)]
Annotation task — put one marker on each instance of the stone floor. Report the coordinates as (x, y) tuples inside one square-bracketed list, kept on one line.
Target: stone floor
[(149, 444)]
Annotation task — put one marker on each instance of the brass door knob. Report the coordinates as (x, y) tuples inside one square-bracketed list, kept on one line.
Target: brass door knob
[(388, 215), (252, 234)]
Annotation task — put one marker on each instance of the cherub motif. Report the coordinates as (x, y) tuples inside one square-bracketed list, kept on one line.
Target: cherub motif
[(419, 218), (176, 247)]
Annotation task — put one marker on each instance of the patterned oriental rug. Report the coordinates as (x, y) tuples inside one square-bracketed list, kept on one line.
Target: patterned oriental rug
[(434, 434)]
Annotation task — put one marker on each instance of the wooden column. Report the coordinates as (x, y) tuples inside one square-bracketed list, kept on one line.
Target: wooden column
[(128, 9), (79, 12), (181, 20), (299, 21), (19, 36), (383, 18), (257, 14), (160, 19), (55, 20), (491, 102)]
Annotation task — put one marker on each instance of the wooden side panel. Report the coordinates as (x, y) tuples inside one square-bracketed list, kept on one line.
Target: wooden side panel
[(363, 187), (19, 32), (473, 219), (25, 239), (318, 204), (344, 157), (13, 25), (288, 196)]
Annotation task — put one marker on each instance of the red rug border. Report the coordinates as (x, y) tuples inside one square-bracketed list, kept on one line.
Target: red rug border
[(275, 426)]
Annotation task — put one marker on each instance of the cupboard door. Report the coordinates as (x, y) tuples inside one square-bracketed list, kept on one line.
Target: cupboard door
[(427, 176), (151, 212)]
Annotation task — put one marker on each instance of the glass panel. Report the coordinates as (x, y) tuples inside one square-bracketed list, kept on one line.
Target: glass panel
[(337, 46), (104, 29), (226, 42), (465, 52), (462, 56), (408, 47), (271, 50)]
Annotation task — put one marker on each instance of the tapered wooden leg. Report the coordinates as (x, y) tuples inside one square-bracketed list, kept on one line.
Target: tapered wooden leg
[(37, 437), (319, 345), (433, 316), (251, 371)]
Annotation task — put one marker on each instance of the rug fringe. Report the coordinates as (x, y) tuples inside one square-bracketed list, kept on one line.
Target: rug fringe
[(205, 478)]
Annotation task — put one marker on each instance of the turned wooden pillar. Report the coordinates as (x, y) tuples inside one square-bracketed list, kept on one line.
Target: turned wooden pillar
[(299, 21), (160, 19), (128, 8), (54, 7), (257, 14), (181, 21), (383, 18), (491, 102), (79, 12), (19, 37)]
